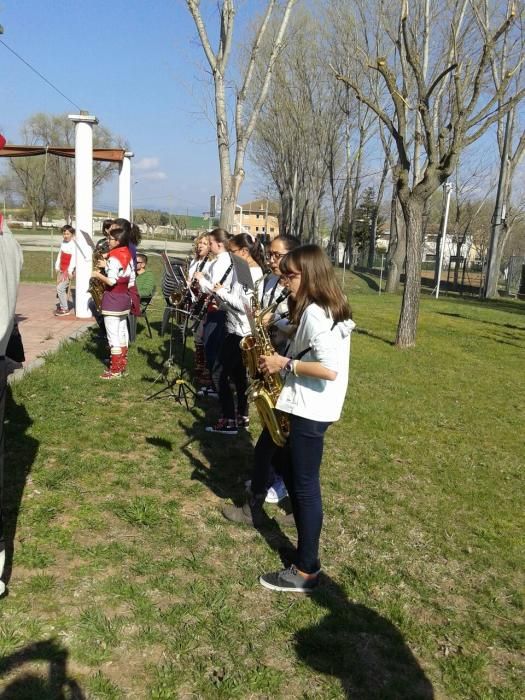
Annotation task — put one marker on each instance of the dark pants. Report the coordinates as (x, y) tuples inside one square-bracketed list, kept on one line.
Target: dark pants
[(266, 456), (213, 335), (301, 476), (232, 368)]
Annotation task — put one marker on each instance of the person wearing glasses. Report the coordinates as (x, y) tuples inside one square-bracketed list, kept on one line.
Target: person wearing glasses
[(118, 276), (266, 452), (315, 371), (145, 279)]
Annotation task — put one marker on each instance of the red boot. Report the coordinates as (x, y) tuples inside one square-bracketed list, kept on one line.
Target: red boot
[(124, 360), (114, 370)]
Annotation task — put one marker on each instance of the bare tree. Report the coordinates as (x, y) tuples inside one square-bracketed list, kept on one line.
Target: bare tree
[(49, 180), (244, 123), (448, 103), (513, 213), (297, 141)]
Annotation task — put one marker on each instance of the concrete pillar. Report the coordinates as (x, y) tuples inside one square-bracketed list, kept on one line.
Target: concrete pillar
[(83, 207), (124, 187)]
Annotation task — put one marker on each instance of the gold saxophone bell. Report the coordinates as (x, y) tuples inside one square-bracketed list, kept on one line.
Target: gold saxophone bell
[(264, 389), (96, 287)]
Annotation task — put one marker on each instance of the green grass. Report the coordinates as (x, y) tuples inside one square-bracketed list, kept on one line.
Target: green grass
[(39, 265), (126, 572)]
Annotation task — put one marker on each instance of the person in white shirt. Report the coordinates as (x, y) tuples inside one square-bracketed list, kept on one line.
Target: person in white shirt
[(316, 379), (65, 268), (219, 272), (230, 356)]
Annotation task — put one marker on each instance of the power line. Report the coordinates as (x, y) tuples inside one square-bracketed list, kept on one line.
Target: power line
[(40, 75)]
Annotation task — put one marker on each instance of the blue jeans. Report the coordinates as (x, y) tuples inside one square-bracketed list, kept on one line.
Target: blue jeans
[(300, 471)]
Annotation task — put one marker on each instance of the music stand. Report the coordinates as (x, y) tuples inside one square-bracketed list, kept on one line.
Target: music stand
[(178, 387)]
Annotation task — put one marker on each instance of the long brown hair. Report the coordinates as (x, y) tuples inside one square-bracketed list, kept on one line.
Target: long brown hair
[(220, 235), (318, 284)]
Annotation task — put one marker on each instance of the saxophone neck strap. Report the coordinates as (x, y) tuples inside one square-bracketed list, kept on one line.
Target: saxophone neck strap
[(301, 354)]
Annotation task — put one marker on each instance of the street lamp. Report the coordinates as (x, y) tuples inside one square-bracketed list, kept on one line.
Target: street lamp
[(238, 206)]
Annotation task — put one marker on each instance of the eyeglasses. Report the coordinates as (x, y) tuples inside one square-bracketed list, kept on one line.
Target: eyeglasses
[(290, 275), (274, 254)]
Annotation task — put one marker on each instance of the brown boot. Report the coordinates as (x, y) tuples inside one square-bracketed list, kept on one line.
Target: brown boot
[(250, 513)]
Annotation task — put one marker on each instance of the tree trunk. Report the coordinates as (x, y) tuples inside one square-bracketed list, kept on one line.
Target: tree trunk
[(407, 327), (230, 192), (397, 248)]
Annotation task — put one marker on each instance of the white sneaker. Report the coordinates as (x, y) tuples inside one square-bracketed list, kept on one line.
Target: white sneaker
[(276, 493)]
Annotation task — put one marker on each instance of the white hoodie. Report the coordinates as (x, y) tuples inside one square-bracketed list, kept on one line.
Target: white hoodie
[(308, 397)]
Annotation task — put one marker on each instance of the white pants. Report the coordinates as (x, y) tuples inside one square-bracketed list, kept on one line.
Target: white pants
[(117, 331)]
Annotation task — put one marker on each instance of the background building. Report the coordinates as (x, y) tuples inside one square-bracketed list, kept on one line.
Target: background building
[(259, 217)]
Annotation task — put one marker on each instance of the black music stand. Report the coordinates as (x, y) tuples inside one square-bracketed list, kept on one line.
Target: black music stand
[(177, 387)]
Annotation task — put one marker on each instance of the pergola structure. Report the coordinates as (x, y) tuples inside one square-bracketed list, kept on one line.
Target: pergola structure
[(84, 155)]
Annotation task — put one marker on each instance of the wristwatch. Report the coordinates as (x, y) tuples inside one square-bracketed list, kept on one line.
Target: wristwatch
[(288, 366)]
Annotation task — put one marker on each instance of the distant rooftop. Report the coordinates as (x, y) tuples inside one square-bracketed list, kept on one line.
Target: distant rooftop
[(259, 205)]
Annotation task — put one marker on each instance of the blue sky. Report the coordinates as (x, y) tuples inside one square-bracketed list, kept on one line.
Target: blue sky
[(138, 66)]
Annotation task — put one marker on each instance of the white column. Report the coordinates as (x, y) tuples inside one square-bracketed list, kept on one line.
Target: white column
[(124, 187), (83, 207)]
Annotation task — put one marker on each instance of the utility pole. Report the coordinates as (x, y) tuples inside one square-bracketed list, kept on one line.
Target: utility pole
[(491, 279), (266, 232), (447, 191)]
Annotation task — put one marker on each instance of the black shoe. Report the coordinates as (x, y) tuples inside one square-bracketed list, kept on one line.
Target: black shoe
[(290, 580)]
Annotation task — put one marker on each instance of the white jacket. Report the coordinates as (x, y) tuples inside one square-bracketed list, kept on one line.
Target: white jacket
[(308, 397), (215, 272), (236, 300), (11, 261)]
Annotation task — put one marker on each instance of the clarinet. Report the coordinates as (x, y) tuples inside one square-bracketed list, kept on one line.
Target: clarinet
[(200, 307)]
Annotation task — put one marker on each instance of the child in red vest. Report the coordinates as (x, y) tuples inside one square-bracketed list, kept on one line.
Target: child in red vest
[(65, 268), (118, 276)]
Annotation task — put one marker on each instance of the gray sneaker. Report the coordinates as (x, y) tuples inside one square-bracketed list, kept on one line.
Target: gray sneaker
[(250, 513), (290, 580)]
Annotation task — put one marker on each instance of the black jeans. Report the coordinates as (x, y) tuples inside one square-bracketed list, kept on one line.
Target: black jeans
[(232, 368), (266, 457), (213, 333), (300, 472)]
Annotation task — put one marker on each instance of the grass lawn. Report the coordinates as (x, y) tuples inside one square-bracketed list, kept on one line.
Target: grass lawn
[(39, 265), (127, 582)]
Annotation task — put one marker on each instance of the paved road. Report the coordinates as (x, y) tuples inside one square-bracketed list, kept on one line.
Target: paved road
[(43, 242)]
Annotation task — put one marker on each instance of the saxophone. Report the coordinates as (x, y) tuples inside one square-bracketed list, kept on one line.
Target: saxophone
[(97, 287), (264, 389)]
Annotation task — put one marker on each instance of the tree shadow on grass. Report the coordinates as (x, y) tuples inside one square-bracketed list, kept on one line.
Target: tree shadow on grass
[(362, 648), (369, 334), (510, 326), (369, 279), (20, 452), (29, 685)]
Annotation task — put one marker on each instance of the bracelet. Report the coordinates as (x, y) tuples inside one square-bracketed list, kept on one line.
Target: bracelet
[(294, 367)]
